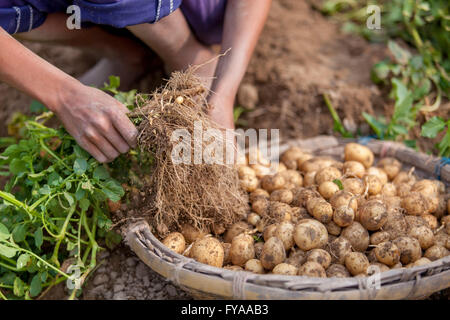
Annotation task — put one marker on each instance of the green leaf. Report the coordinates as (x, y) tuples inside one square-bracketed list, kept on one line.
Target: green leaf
[(54, 179), (80, 153), (18, 166), (35, 286), (45, 189), (380, 72), (113, 190), (84, 204), (38, 237), (402, 56), (377, 126), (69, 198), (112, 239), (4, 232), (444, 145), (7, 251), (80, 166), (101, 173), (23, 260), (19, 287), (19, 232), (432, 127)]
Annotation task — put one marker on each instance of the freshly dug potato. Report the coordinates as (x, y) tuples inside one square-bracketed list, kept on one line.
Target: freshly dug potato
[(258, 249), (430, 221), (404, 177), (392, 202), (233, 268), (259, 193), (271, 183), (327, 189), (291, 154), (253, 218), (356, 263), (389, 190), (327, 174), (292, 177), (440, 186), (424, 235), (376, 267), (391, 166), (312, 269), (373, 215), (285, 232), (446, 223), (436, 252), (269, 231), (226, 253), (333, 228), (310, 234), (235, 230), (441, 208), (280, 211), (208, 251), (410, 250), (260, 170), (316, 163), (339, 248), (403, 189), (360, 153), (425, 187), (309, 179), (357, 235), (414, 221), (261, 206), (175, 242), (245, 171), (379, 173), (303, 195), (282, 195), (337, 271), (379, 237), (303, 158), (296, 258), (320, 256), (249, 183), (255, 266), (343, 198), (273, 253), (242, 249), (387, 253), (353, 185), (286, 269), (354, 168), (191, 234), (343, 216), (374, 183), (298, 214), (422, 261), (442, 239), (415, 204), (320, 209)]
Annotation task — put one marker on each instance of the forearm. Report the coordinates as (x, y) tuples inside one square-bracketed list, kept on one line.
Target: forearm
[(24, 70), (244, 21)]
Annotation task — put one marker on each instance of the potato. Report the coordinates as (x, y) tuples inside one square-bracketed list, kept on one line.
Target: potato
[(436, 252), (442, 239), (235, 230), (396, 224), (404, 177), (298, 214), (175, 242), (375, 268), (280, 211), (424, 235), (233, 268), (387, 253), (320, 256), (441, 208), (303, 195), (191, 234), (357, 235), (422, 261), (343, 216), (245, 171), (397, 266), (360, 153), (226, 253), (258, 249), (379, 173), (353, 185), (310, 234), (255, 155), (296, 258), (403, 189), (269, 231), (285, 232), (282, 195), (425, 187), (273, 253), (259, 193), (291, 154), (415, 204), (260, 170), (261, 206), (389, 190), (242, 249), (379, 237), (312, 269), (327, 189), (255, 266), (333, 228), (271, 183), (354, 168), (391, 166), (446, 223), (339, 248), (337, 271), (303, 158), (374, 184), (430, 221), (320, 209), (410, 250), (440, 186), (327, 174), (208, 251), (292, 177), (343, 198), (356, 263), (392, 202), (286, 269), (309, 179), (373, 215), (249, 183), (414, 221), (253, 218), (316, 163)]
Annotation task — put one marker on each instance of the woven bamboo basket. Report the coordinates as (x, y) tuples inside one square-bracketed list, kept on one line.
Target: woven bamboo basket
[(206, 282)]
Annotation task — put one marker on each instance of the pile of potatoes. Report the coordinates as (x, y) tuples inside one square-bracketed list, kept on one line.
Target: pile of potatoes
[(320, 217)]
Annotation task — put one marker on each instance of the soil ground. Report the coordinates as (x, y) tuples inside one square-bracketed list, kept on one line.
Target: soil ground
[(300, 56)]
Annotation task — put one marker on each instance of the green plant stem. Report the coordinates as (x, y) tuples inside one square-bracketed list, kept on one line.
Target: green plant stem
[(12, 268), (2, 295)]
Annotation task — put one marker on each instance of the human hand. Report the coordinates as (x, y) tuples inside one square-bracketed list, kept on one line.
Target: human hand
[(221, 110), (97, 121)]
